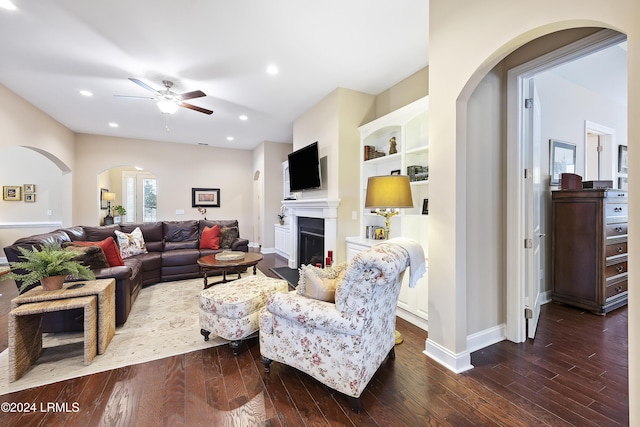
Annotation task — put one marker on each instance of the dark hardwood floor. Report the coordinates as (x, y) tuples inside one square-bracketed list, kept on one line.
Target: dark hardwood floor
[(574, 373)]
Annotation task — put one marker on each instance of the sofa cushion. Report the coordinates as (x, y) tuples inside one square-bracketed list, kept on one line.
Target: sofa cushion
[(180, 235), (152, 233), (227, 236), (90, 256), (210, 238), (76, 233), (221, 223), (180, 257), (110, 249), (58, 236), (131, 243), (97, 234)]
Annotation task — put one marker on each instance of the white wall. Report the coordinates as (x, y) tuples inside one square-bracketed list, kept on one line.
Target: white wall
[(177, 167), (481, 34)]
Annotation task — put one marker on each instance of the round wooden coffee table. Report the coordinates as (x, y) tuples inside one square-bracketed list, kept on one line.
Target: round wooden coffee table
[(210, 263)]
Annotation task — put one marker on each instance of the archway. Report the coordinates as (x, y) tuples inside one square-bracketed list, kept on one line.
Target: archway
[(134, 191)]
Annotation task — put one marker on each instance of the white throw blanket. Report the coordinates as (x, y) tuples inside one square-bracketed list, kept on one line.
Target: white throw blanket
[(416, 258)]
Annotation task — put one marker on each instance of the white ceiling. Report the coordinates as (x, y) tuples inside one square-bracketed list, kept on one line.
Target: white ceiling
[(52, 49)]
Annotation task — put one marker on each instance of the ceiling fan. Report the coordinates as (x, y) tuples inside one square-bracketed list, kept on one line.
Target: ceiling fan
[(169, 101)]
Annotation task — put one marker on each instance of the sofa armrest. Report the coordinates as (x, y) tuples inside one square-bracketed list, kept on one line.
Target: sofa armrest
[(310, 313), (118, 272), (240, 244)]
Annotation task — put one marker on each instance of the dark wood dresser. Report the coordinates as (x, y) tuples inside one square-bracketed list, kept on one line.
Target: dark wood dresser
[(589, 248)]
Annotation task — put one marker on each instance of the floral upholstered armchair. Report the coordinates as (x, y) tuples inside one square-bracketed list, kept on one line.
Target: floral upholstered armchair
[(341, 343)]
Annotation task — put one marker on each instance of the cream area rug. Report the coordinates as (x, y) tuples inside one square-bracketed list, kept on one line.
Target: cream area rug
[(164, 321)]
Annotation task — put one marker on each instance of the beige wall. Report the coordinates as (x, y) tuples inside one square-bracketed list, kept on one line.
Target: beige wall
[(177, 167), (403, 93), (481, 34)]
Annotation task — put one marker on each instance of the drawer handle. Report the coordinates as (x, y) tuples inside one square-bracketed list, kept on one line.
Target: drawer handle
[(617, 209), (619, 249), (618, 289), (618, 229), (619, 269)]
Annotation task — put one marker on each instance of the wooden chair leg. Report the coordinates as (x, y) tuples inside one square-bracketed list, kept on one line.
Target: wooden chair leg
[(235, 345), (267, 364), (392, 353), (356, 404), (205, 334)]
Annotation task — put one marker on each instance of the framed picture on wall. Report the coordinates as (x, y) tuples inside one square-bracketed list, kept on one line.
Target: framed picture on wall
[(30, 198), (562, 160), (103, 202), (623, 159), (205, 197), (12, 193)]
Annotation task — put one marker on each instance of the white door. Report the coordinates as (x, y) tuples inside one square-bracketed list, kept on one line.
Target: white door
[(534, 203)]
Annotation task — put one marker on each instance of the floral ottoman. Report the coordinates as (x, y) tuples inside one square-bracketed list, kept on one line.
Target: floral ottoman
[(230, 310)]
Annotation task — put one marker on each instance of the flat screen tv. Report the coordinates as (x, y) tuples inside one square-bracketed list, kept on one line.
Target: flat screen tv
[(304, 169)]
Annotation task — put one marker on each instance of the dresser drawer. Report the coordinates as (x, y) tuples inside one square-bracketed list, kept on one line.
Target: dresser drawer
[(615, 269), (616, 210), (614, 250), (615, 289), (619, 229)]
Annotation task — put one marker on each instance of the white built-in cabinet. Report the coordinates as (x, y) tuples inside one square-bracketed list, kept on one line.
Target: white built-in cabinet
[(409, 126), (282, 233)]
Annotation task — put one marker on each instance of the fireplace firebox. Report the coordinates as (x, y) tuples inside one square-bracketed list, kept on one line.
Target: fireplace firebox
[(310, 241)]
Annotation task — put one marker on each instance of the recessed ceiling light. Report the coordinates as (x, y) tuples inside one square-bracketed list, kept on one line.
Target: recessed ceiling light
[(6, 4), (138, 168), (243, 117), (229, 138), (272, 69), (85, 93), (113, 125)]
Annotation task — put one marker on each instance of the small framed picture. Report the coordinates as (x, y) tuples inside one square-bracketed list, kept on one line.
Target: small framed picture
[(103, 202), (623, 159), (12, 193), (29, 188), (395, 172), (30, 198), (205, 197)]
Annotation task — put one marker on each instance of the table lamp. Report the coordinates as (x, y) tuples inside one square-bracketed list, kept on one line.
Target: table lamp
[(387, 194), (108, 220)]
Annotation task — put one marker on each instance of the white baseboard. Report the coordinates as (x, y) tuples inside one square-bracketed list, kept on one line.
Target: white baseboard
[(457, 363), (486, 338)]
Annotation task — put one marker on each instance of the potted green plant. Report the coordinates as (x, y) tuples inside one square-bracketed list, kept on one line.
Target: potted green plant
[(49, 265), (120, 212)]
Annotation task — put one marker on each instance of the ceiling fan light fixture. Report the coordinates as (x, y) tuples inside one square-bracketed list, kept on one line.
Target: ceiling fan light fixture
[(167, 107)]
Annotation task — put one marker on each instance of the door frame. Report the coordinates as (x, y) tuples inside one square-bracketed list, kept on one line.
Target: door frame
[(516, 253)]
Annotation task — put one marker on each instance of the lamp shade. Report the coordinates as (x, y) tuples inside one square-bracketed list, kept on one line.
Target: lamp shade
[(108, 196), (388, 192)]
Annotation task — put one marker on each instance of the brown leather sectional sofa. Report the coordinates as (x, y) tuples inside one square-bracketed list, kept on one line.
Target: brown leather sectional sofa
[(173, 250)]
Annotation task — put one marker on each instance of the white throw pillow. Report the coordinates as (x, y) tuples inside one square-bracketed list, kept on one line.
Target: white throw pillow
[(131, 244)]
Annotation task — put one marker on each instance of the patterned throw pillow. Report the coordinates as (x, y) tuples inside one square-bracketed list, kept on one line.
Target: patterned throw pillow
[(227, 236), (318, 283), (131, 244), (90, 256)]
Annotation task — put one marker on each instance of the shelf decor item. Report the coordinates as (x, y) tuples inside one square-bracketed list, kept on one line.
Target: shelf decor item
[(45, 264), (108, 220), (387, 194)]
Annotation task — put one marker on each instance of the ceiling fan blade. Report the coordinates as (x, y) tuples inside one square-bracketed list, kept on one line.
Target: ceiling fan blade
[(195, 108), (143, 84), (191, 95), (134, 97)]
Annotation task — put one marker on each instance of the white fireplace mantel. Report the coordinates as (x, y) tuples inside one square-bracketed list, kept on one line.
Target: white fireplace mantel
[(312, 208)]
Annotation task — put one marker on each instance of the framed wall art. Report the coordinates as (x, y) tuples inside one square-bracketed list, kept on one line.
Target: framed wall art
[(12, 193), (103, 202), (563, 160), (29, 188), (623, 159), (30, 198), (205, 197)]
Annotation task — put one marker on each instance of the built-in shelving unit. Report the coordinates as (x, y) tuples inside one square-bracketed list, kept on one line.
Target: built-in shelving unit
[(408, 126)]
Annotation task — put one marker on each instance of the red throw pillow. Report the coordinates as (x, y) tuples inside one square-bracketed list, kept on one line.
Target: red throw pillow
[(109, 248), (210, 238)]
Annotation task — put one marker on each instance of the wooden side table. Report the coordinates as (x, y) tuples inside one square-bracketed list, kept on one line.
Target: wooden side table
[(25, 331), (104, 289)]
